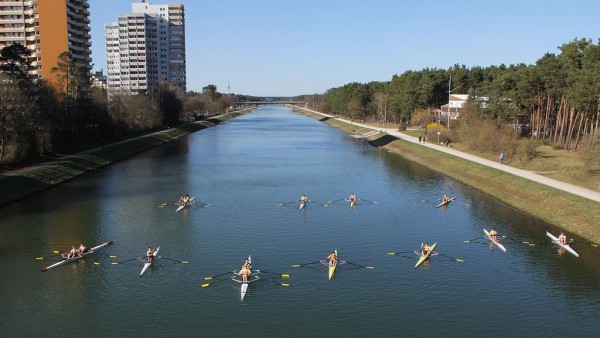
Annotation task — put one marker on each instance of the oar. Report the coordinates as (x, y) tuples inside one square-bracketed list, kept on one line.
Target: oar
[(470, 240), (44, 257), (339, 199), (303, 264), (360, 266), (400, 252), (203, 204), (128, 260), (586, 242), (362, 199), (174, 260), (452, 258), (280, 204), (223, 274), (283, 275), (209, 284), (323, 204)]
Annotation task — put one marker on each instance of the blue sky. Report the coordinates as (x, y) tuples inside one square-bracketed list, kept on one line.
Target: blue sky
[(288, 48)]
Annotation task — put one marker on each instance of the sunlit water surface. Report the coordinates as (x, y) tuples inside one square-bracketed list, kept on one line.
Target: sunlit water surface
[(245, 168)]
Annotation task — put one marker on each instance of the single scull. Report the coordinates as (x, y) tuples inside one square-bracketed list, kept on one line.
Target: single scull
[(147, 264), (564, 246), (497, 242), (424, 257)]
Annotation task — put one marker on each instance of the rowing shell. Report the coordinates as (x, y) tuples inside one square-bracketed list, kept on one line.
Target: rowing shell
[(564, 246), (147, 264), (78, 257), (185, 205), (333, 266), (352, 204), (252, 278), (302, 205), (445, 203), (497, 242), (424, 257)]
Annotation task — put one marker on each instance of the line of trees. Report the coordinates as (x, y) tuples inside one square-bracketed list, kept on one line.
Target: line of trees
[(557, 100), (66, 115)]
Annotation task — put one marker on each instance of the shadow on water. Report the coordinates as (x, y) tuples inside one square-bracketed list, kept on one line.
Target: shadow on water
[(383, 140), (326, 118), (14, 188)]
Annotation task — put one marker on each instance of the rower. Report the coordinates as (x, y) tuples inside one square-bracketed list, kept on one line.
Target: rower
[(81, 249), (72, 253), (445, 198), (332, 258), (149, 255), (493, 234), (245, 272), (352, 197), (562, 238), (303, 199), (425, 249), (186, 200), (247, 264)]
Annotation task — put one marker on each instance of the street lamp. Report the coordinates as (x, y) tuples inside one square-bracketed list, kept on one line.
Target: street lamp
[(438, 133)]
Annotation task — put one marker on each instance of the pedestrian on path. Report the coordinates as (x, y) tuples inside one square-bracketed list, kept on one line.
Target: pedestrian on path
[(501, 158), (419, 139)]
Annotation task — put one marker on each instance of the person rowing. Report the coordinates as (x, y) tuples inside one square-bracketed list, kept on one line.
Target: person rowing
[(445, 199), (562, 238), (81, 249), (149, 255), (247, 264), (493, 234), (245, 272), (352, 198), (184, 200), (72, 253), (425, 249), (332, 258), (303, 199)]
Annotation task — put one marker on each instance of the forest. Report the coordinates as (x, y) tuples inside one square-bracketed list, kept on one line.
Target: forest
[(555, 101)]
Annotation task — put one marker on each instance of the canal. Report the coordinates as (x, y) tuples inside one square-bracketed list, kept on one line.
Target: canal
[(246, 175)]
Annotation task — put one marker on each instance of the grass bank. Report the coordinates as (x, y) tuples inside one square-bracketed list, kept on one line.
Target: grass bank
[(575, 214), (19, 184)]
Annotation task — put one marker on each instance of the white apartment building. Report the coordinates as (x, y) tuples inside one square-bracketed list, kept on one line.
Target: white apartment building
[(145, 48)]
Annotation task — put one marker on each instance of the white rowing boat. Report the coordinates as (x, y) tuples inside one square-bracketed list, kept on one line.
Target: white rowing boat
[(148, 264), (302, 205), (445, 203), (78, 257), (185, 205), (497, 242), (564, 246), (252, 278)]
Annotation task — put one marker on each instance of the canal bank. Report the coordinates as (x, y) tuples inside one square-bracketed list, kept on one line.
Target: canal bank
[(18, 184), (573, 213)]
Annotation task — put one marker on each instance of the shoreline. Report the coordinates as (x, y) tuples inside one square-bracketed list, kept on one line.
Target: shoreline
[(572, 213), (16, 185)]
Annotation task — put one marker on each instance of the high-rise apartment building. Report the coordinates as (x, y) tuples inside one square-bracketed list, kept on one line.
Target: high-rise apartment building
[(145, 48), (48, 28)]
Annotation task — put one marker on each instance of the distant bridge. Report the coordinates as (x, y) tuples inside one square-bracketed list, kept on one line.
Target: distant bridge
[(255, 103)]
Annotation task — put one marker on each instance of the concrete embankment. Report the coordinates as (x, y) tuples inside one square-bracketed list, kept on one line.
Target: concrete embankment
[(568, 211), (18, 184)]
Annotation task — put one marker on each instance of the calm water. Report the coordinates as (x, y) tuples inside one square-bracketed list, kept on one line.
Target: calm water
[(245, 168)]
